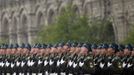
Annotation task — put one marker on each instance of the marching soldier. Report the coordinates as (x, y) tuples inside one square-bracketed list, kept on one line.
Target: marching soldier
[(72, 57), (114, 64), (60, 59), (97, 57), (25, 52), (46, 59), (13, 59), (40, 59), (132, 55), (1, 59), (125, 59), (86, 61), (67, 57)]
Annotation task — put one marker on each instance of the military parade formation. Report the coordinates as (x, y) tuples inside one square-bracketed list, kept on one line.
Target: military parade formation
[(66, 58)]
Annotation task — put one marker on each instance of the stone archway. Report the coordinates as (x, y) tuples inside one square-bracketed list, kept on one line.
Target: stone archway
[(40, 20), (51, 17), (111, 32), (13, 32), (5, 30), (103, 31), (76, 10), (23, 30), (114, 28), (121, 30)]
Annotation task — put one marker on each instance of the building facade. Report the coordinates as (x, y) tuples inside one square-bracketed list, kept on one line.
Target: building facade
[(20, 20)]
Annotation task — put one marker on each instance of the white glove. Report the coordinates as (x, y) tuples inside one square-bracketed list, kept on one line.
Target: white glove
[(124, 64), (81, 64), (58, 63), (18, 63), (101, 65), (2, 64), (39, 62), (12, 65), (62, 61), (45, 62), (129, 65), (70, 63), (22, 64), (28, 63), (109, 64), (51, 62), (7, 63), (32, 63), (74, 65)]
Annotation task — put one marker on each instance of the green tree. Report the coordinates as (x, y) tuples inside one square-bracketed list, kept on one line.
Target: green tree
[(71, 26), (102, 30), (3, 41), (130, 38)]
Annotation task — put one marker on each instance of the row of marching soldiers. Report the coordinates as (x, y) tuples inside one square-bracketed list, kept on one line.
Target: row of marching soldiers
[(67, 58)]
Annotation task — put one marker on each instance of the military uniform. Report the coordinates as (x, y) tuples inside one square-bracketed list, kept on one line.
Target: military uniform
[(127, 64), (66, 62)]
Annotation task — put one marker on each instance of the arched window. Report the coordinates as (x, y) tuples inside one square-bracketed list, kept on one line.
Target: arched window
[(13, 35), (5, 30), (24, 23), (24, 30), (76, 10), (40, 20), (51, 17)]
